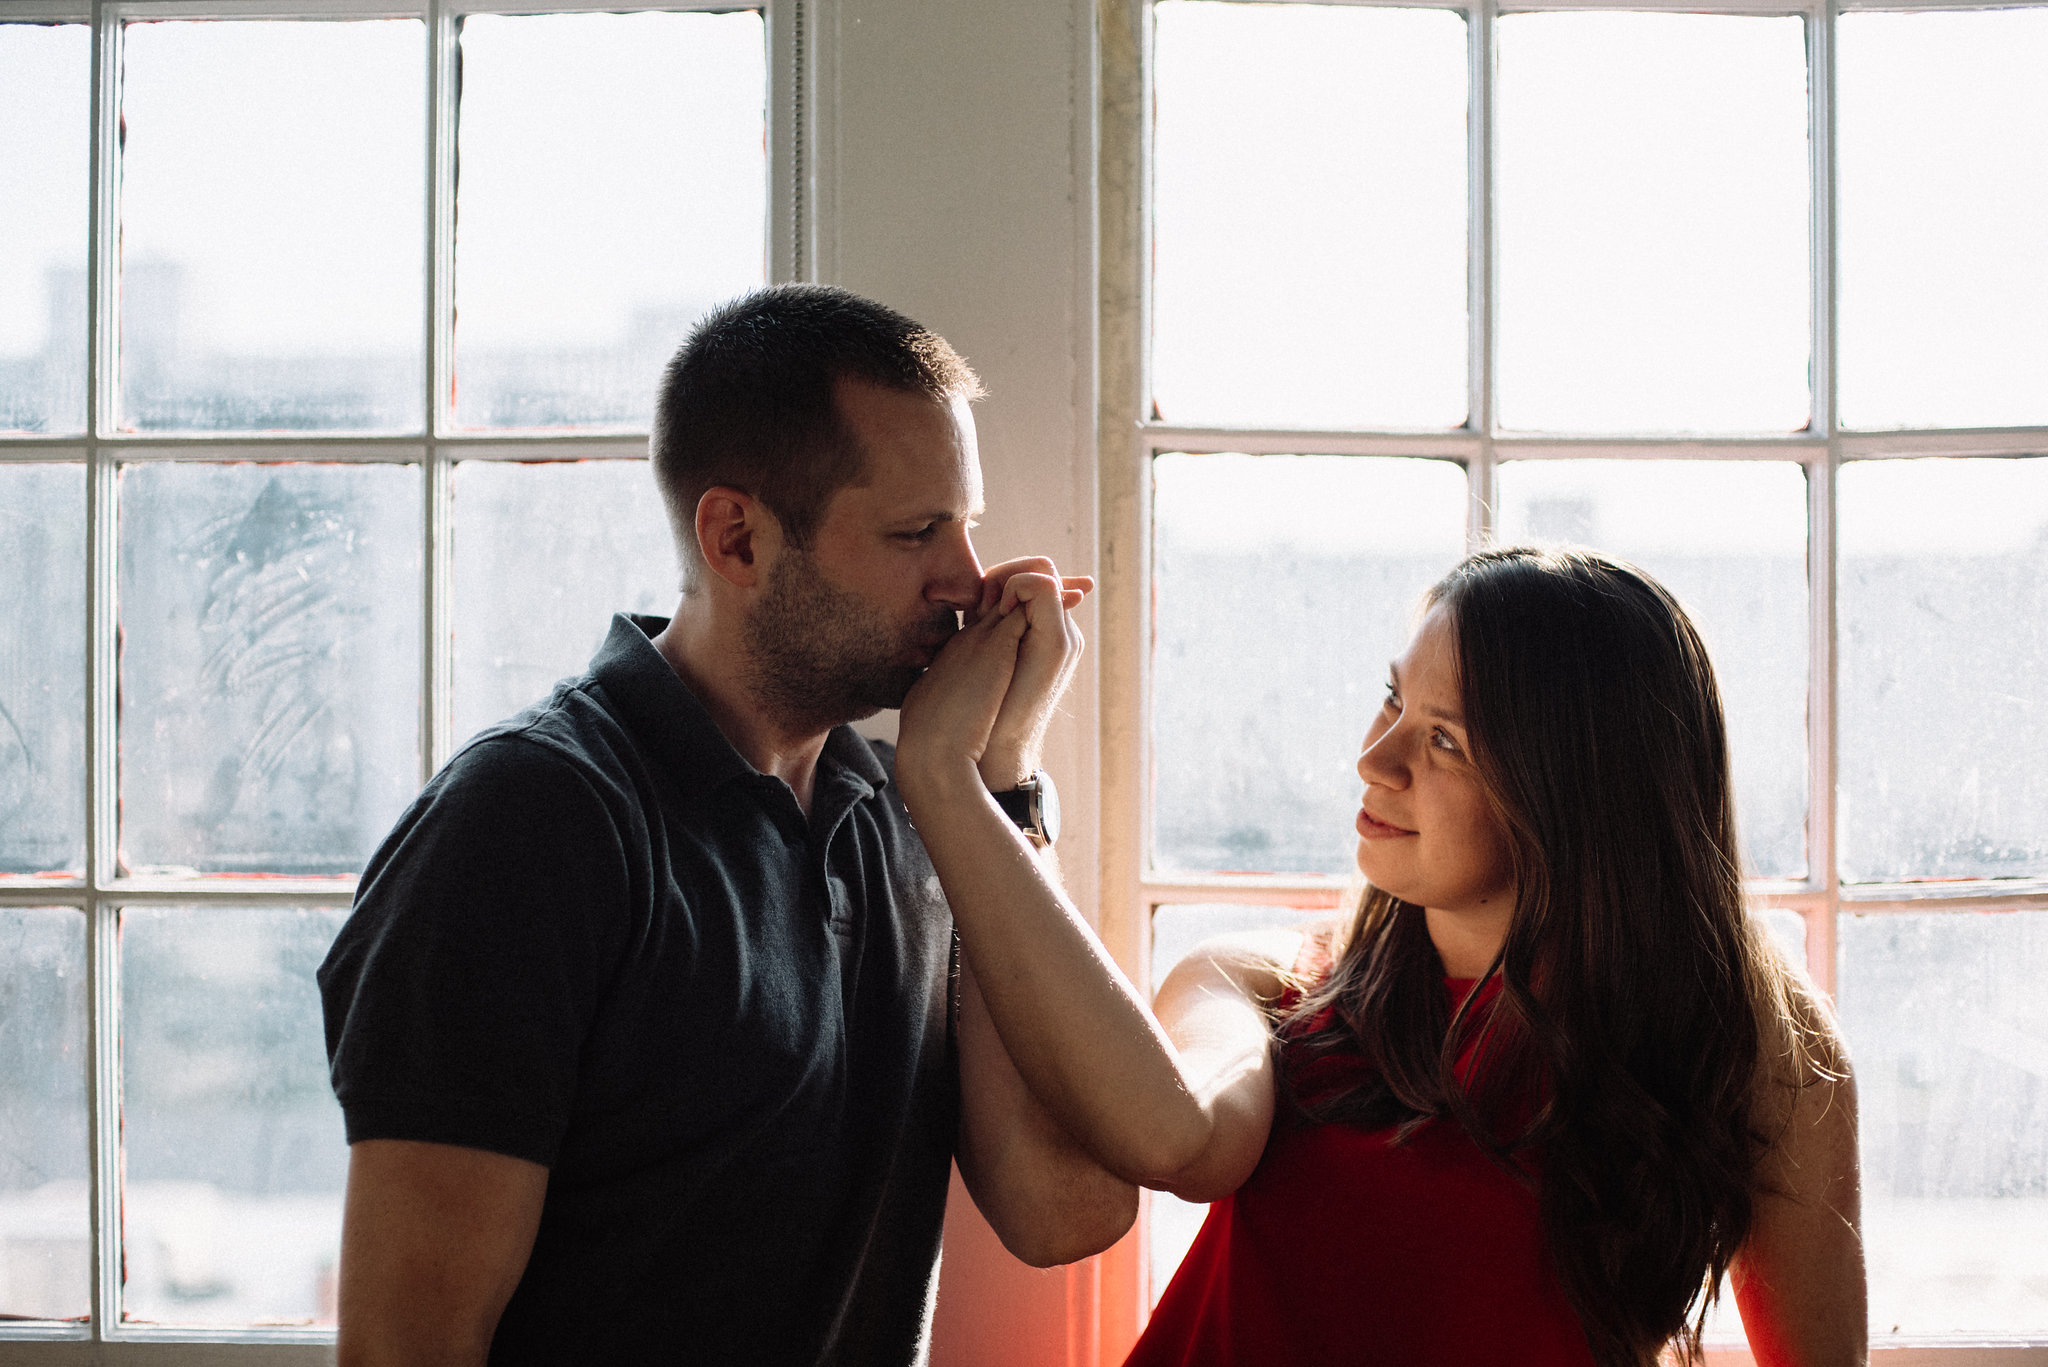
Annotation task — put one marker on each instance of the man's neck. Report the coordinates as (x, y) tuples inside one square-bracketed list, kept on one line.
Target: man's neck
[(711, 658)]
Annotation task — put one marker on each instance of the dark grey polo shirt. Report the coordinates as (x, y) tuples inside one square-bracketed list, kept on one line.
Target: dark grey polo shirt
[(602, 941)]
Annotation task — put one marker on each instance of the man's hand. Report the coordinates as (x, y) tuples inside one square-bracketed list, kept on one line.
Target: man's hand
[(1045, 661), (948, 716)]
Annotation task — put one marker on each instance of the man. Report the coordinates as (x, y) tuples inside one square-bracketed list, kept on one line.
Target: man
[(649, 1025)]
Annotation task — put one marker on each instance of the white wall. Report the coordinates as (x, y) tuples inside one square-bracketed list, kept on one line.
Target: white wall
[(954, 164)]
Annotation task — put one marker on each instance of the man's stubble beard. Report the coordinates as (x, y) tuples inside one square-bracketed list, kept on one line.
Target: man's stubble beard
[(819, 656)]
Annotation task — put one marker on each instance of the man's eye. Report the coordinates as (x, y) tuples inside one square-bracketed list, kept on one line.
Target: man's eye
[(923, 533)]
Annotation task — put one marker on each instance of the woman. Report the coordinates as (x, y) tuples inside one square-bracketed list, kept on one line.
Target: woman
[(1540, 1091)]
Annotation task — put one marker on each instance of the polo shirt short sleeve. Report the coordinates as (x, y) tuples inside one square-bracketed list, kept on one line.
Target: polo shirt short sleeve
[(601, 941)]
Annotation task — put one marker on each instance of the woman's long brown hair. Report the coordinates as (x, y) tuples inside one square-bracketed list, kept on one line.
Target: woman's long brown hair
[(1640, 1007)]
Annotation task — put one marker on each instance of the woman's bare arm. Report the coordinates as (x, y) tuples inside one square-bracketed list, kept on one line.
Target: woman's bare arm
[(1799, 1279)]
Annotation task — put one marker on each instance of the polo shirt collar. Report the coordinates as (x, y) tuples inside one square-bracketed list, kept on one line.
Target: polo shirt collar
[(677, 728)]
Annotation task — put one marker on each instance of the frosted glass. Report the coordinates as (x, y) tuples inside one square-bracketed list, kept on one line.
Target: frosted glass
[(614, 186), (234, 1151), (1729, 539), (269, 665), (1943, 599), (42, 670), (544, 554), (45, 1230), (272, 222), (1281, 585), (1948, 1027), (1652, 208), (1309, 234), (1942, 154), (45, 128)]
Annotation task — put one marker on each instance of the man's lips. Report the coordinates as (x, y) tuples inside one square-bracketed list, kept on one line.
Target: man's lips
[(1372, 828)]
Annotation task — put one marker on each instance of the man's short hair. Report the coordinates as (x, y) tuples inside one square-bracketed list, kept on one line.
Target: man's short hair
[(748, 401)]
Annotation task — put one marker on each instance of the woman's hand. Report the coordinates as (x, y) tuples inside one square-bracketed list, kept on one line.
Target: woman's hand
[(948, 716)]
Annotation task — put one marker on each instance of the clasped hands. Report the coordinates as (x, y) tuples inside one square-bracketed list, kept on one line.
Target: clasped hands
[(987, 699)]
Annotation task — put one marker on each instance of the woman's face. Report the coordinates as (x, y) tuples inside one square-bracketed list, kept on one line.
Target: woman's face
[(1425, 831)]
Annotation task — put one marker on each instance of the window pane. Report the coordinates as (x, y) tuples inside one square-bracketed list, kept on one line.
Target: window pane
[(45, 127), (1943, 593), (1309, 179), (272, 216), (1729, 538), (269, 665), (614, 186), (1942, 156), (235, 1156), (45, 1230), (1171, 1223), (42, 670), (544, 554), (1652, 203), (1282, 585), (1948, 1025)]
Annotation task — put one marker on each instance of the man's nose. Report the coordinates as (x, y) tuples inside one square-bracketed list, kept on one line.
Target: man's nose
[(957, 582)]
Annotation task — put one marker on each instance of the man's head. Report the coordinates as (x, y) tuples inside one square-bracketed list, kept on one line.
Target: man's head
[(750, 402), (818, 460)]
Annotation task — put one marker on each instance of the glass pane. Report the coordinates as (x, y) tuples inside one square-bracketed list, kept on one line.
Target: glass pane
[(1309, 180), (1170, 1222), (1942, 171), (1282, 585), (1729, 538), (42, 670), (269, 665), (1788, 932), (1652, 202), (1943, 594), (544, 554), (45, 131), (235, 1156), (45, 1158), (1948, 1026), (614, 186), (272, 216)]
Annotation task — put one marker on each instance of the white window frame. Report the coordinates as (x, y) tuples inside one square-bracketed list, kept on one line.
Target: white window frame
[(1130, 440), (103, 891)]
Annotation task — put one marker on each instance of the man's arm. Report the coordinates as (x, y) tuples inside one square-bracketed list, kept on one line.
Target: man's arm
[(1045, 1196), (1086, 1044), (433, 1240)]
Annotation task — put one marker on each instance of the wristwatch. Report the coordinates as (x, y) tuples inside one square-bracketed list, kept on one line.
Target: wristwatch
[(1034, 805)]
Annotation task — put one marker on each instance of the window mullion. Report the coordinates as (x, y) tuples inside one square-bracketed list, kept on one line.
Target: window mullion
[(442, 92), (1822, 742), (1480, 476), (102, 999)]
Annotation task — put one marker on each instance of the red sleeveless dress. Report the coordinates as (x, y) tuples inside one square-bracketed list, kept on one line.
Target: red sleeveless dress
[(1344, 1249)]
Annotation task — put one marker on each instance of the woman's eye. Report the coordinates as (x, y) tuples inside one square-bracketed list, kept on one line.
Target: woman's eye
[(1393, 699), (1442, 740)]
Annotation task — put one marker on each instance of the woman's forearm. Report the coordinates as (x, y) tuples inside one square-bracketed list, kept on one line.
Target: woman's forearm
[(1074, 1026)]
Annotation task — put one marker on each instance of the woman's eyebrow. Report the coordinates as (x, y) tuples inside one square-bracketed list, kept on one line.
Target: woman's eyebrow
[(1454, 717)]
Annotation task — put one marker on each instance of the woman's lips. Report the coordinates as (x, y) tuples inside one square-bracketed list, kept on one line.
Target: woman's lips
[(1371, 827)]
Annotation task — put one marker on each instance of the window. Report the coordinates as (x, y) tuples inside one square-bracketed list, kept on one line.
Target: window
[(328, 338), (1755, 298)]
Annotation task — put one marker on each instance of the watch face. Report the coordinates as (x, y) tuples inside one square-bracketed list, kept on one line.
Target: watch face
[(1048, 808)]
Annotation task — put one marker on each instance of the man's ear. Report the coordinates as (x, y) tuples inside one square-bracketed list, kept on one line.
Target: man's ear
[(737, 536)]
